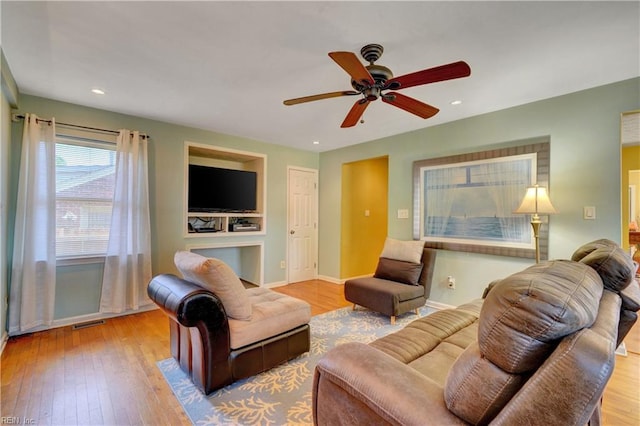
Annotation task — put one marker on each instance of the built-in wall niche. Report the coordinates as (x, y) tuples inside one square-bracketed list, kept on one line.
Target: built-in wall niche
[(222, 177), (245, 258)]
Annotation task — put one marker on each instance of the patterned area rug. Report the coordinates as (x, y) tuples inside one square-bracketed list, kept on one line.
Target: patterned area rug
[(282, 395)]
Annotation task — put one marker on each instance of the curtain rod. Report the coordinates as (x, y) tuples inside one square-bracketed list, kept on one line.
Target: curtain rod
[(16, 117)]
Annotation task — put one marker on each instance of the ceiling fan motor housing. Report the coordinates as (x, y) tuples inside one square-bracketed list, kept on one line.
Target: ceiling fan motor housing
[(380, 74)]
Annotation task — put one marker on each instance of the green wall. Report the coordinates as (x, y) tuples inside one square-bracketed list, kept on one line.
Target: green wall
[(78, 289), (8, 99), (585, 170), (584, 130)]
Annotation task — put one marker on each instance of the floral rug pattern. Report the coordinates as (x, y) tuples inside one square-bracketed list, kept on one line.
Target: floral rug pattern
[(282, 395)]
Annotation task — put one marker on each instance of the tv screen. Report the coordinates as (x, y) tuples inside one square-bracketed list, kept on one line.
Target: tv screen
[(214, 189)]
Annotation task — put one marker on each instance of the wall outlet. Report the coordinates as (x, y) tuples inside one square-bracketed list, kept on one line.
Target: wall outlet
[(282, 264), (451, 282)]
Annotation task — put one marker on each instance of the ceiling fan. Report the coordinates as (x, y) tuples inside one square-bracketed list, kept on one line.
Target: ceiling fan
[(371, 80)]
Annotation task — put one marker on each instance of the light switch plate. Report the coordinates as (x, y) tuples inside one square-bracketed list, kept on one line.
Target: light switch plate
[(403, 214), (589, 213)]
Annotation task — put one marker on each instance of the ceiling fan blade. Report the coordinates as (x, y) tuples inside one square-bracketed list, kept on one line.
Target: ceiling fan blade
[(355, 113), (411, 105), (320, 96), (444, 72), (352, 65)]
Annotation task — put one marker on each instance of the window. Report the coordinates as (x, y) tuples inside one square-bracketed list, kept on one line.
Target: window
[(85, 177), (465, 202)]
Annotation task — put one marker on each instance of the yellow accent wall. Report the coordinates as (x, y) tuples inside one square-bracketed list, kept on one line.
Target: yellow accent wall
[(630, 161), (364, 215)]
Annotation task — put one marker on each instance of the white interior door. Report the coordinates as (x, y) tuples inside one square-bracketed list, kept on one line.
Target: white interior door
[(302, 246)]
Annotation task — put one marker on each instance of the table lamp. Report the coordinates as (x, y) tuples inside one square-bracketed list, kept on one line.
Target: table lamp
[(536, 201)]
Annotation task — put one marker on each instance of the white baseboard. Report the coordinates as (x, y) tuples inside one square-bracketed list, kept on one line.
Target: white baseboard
[(320, 277), (3, 342), (99, 316), (331, 279), (275, 284), (437, 305), (64, 322)]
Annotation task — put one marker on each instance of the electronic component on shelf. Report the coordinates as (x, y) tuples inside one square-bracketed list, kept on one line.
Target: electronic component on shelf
[(240, 227)]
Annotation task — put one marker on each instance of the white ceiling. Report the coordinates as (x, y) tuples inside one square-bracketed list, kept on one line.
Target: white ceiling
[(227, 66)]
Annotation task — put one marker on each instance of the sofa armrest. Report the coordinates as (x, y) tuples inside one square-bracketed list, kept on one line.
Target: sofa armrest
[(185, 302), (355, 383), (200, 336), (628, 311)]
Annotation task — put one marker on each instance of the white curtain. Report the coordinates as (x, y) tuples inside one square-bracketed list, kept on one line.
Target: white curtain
[(127, 268), (33, 271), (439, 195), (514, 178)]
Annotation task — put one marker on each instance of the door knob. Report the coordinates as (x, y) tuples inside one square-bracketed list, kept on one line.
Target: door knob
[(292, 232)]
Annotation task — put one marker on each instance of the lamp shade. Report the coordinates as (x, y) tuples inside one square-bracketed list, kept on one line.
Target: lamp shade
[(536, 201)]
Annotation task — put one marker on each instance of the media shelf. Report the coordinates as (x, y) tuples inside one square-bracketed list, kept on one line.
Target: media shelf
[(199, 224), (212, 224)]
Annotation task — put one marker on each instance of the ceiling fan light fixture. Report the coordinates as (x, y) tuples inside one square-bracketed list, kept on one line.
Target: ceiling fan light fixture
[(371, 93)]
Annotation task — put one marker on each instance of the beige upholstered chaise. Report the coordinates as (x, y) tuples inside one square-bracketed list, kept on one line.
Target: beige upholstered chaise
[(222, 332)]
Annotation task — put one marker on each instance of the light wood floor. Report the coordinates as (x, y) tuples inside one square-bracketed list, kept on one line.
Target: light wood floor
[(107, 374)]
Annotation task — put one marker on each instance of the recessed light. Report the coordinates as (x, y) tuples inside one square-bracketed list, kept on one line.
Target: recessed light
[(97, 91), (316, 142), (456, 102)]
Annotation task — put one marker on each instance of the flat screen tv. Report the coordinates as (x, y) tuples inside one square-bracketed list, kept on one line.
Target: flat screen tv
[(215, 190)]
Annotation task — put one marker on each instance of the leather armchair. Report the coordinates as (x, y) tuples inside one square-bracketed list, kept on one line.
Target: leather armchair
[(200, 336)]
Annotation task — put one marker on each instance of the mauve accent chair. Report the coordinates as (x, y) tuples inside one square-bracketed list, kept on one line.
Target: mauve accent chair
[(397, 286)]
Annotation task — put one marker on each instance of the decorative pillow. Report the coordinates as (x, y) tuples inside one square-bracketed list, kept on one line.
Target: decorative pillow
[(217, 277), (398, 270), (408, 251)]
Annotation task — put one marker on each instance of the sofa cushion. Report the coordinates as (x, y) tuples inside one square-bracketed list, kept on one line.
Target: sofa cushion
[(587, 248), (217, 277), (409, 251), (273, 313), (398, 270), (370, 291), (476, 389), (525, 314), (421, 336)]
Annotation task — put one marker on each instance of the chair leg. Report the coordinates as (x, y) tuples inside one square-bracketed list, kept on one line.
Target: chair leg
[(354, 307), (393, 320), (416, 311)]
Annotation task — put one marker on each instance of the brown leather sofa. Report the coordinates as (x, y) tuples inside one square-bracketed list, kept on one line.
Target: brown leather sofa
[(538, 350), (210, 345)]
